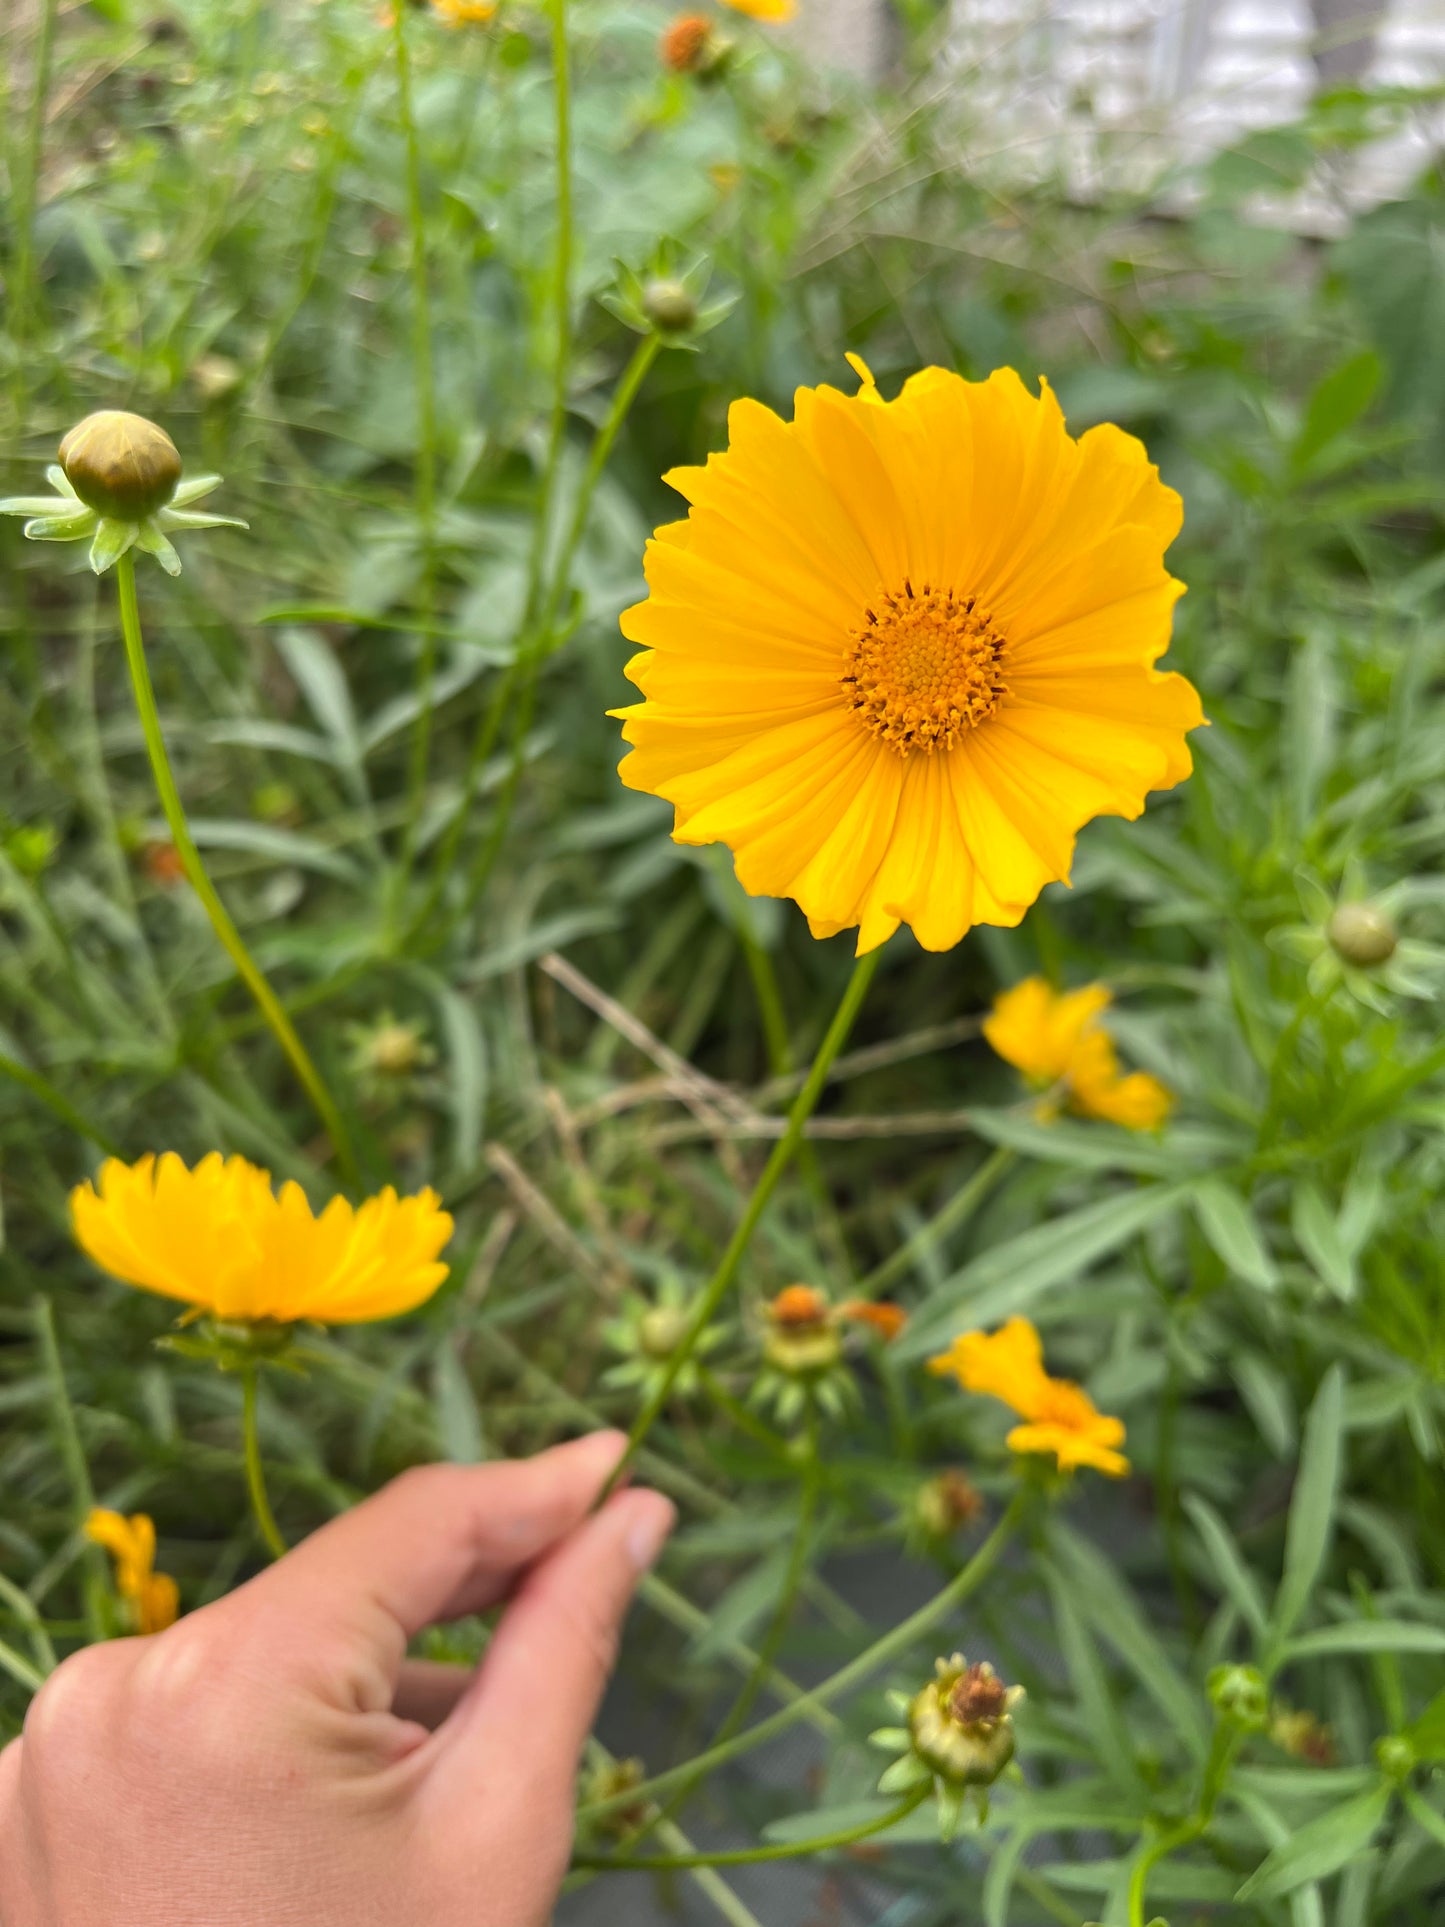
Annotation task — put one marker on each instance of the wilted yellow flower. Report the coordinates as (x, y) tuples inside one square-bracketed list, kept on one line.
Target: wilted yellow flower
[(132, 1544), (900, 652), (219, 1238), (1059, 1416), (1054, 1037)]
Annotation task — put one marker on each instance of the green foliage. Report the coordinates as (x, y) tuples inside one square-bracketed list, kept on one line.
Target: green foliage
[(222, 239)]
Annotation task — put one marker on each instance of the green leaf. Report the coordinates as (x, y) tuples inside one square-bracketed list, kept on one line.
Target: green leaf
[(1228, 1223), (1319, 1238), (1423, 1814), (1427, 1735), (1228, 1565), (1312, 1508), (1015, 1273), (464, 1054), (459, 1422), (1368, 1636), (1319, 1848), (1336, 405)]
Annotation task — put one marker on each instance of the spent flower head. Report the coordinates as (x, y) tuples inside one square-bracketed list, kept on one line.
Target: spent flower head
[(959, 1735), (118, 485)]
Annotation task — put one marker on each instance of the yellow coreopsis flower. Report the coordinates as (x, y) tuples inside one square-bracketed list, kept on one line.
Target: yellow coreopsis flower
[(1055, 1038), (899, 652), (764, 9), (464, 13), (219, 1238), (131, 1543), (1059, 1416)]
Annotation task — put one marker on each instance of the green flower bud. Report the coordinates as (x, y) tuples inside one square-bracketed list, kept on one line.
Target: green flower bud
[(660, 1330), (1395, 1756), (121, 465), (669, 307), (1361, 935), (1240, 1696)]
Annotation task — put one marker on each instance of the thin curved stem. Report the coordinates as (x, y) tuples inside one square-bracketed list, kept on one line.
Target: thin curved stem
[(424, 376), (255, 1472), (907, 1633), (562, 300), (198, 878), (1216, 1768), (27, 186), (781, 1156), (746, 1856)]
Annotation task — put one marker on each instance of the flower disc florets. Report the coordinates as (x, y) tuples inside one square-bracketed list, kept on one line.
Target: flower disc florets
[(121, 465)]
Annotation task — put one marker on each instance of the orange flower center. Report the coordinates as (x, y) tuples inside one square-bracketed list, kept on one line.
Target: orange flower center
[(799, 1305), (924, 669)]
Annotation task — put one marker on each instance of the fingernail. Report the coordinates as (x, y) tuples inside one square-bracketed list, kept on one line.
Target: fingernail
[(648, 1533)]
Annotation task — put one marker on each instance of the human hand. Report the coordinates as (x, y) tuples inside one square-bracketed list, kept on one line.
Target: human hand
[(270, 1760)]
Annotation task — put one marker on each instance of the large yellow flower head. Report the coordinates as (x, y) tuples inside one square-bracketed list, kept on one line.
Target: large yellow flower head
[(900, 652), (221, 1239), (1059, 1416)]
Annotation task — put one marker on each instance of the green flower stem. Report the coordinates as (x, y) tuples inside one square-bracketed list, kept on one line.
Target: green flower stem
[(25, 1610), (27, 184), (903, 1636), (20, 1670), (200, 881), (717, 1286), (562, 302), (77, 1471), (1216, 1769), (255, 1473), (746, 1856), (537, 639), (424, 375), (959, 1209), (746, 1420), (56, 1101)]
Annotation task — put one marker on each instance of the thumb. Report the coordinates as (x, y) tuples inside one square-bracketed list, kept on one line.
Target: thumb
[(524, 1721)]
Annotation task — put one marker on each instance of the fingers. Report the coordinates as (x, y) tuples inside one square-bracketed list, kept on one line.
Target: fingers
[(536, 1696), (437, 1543), (426, 1691)]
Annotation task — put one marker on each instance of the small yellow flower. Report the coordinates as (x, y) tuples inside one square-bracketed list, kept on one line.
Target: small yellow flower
[(1054, 1037), (900, 652), (131, 1543), (220, 1239), (764, 9), (464, 13), (1059, 1416)]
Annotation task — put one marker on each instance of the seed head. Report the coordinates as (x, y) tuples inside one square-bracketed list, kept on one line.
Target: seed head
[(1361, 935), (121, 465)]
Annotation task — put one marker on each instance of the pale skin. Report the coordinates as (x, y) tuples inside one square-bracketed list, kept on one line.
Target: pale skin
[(275, 1760)]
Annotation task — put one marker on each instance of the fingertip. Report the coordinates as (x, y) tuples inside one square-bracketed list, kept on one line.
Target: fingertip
[(647, 1520)]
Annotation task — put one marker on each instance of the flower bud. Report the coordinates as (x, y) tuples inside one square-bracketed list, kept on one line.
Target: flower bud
[(661, 1330), (686, 43), (1361, 935), (669, 307), (120, 465), (1395, 1756), (1240, 1696), (801, 1337)]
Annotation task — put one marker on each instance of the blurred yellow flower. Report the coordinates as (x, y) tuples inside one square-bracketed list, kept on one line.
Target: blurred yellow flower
[(1054, 1037), (464, 13), (764, 9), (900, 652), (219, 1238), (1059, 1416), (132, 1544)]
